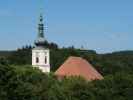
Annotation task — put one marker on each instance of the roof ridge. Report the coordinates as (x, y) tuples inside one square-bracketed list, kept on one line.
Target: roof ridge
[(78, 66)]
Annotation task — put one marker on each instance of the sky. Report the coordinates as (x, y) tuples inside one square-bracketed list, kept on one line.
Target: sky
[(101, 25)]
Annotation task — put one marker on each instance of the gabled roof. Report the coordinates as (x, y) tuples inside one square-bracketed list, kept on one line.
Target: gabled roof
[(77, 66)]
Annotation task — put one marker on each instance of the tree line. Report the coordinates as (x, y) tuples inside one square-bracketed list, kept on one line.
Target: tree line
[(19, 81), (27, 83)]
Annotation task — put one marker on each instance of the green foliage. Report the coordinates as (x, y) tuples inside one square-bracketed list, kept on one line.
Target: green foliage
[(23, 82), (21, 56), (27, 83), (105, 63)]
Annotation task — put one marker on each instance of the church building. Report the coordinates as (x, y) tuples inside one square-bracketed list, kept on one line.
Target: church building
[(41, 54), (74, 66)]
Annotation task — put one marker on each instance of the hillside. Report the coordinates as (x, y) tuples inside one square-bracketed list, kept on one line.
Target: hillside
[(106, 64), (25, 83), (20, 81)]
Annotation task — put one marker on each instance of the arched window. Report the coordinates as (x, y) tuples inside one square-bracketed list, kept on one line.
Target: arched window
[(45, 60), (37, 60)]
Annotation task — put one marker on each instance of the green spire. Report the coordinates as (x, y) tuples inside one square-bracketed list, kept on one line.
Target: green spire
[(41, 27), (40, 41)]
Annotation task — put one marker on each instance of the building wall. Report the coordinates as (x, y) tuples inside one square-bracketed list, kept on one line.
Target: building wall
[(41, 59)]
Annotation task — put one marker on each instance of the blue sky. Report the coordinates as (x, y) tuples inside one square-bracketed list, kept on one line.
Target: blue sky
[(101, 25)]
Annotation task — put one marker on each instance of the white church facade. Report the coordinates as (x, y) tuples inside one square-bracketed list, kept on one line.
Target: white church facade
[(41, 54)]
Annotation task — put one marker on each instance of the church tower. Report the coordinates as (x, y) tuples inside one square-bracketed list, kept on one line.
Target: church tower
[(41, 54)]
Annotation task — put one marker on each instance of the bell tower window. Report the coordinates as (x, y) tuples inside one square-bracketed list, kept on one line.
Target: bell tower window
[(45, 60), (37, 57), (37, 60)]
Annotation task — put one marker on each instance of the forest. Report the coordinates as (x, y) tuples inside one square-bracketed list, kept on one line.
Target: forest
[(20, 81)]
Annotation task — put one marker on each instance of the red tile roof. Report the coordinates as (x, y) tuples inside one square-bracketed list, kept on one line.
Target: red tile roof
[(76, 66)]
